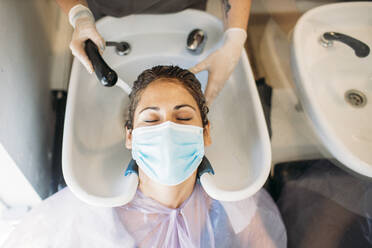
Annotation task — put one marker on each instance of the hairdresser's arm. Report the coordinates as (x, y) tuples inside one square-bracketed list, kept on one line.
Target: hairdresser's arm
[(81, 18), (238, 14), (222, 62), (66, 5)]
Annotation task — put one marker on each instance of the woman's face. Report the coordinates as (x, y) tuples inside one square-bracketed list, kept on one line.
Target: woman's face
[(167, 100)]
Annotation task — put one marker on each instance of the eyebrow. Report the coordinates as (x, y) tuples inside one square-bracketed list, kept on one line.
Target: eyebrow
[(176, 107), (153, 108), (184, 105)]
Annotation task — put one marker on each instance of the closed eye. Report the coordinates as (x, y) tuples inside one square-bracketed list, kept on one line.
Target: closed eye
[(184, 119), (150, 121)]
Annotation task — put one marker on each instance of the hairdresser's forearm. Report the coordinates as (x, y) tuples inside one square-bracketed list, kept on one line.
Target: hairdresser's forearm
[(238, 15), (66, 5)]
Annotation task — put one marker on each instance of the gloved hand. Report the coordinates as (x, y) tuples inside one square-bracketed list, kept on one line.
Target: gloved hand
[(221, 63), (81, 18)]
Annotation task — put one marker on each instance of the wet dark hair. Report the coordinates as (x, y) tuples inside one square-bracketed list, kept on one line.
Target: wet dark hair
[(185, 77)]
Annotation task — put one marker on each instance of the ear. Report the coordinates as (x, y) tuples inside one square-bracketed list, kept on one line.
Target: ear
[(207, 134), (128, 138)]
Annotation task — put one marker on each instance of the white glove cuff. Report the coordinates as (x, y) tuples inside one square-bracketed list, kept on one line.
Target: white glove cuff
[(79, 11), (235, 35)]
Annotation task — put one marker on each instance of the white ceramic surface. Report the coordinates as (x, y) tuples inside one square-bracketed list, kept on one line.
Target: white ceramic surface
[(323, 75), (94, 156)]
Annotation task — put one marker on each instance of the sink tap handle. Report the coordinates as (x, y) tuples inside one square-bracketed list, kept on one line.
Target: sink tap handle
[(104, 73), (360, 48)]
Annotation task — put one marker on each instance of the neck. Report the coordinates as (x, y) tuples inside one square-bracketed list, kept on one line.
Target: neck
[(169, 196)]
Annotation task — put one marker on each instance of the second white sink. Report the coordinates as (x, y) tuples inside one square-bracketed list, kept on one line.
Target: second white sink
[(328, 78)]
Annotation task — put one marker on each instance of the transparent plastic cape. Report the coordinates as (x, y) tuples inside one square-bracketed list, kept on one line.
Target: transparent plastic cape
[(325, 206), (64, 221)]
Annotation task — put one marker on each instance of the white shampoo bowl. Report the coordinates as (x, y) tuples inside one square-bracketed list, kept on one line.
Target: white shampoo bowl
[(94, 155)]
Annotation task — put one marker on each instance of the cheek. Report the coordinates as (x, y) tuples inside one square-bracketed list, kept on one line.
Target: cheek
[(135, 121), (199, 119)]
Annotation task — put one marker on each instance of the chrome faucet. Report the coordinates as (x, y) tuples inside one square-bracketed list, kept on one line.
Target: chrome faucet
[(121, 48), (196, 41), (360, 48)]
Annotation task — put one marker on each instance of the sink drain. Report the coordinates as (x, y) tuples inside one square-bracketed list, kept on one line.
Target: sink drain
[(355, 98)]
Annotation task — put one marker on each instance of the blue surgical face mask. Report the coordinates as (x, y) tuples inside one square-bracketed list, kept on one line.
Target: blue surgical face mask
[(168, 153)]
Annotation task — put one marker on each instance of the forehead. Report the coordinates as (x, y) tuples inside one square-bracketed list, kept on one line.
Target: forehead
[(166, 91)]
